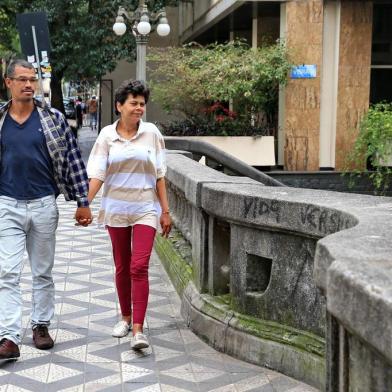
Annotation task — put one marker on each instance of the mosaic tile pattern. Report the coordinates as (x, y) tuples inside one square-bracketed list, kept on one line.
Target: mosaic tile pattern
[(86, 358)]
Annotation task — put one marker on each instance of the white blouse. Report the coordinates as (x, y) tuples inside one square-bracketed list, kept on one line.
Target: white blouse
[(129, 170)]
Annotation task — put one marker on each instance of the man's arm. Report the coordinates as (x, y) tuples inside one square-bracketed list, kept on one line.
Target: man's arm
[(77, 176)]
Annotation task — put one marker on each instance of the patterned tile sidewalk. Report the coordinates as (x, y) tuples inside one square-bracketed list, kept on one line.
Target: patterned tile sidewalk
[(86, 358)]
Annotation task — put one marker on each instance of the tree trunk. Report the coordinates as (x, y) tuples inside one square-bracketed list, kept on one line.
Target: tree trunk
[(57, 93)]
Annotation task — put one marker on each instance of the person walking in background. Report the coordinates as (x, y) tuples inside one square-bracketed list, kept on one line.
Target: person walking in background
[(79, 113), (92, 107), (39, 158), (128, 157)]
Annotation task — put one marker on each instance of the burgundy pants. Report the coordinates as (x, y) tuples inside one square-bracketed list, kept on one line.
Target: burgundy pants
[(132, 248)]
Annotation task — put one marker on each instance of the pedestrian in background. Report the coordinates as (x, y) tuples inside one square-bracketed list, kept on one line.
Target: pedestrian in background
[(39, 159), (79, 112), (128, 158), (92, 107)]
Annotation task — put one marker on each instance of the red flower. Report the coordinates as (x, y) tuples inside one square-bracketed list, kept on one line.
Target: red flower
[(216, 106), (231, 114), (220, 111)]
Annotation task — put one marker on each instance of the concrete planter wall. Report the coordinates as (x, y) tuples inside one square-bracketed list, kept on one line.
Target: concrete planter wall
[(293, 279), (255, 151)]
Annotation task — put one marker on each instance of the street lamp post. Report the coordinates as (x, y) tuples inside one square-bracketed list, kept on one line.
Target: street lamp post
[(142, 21)]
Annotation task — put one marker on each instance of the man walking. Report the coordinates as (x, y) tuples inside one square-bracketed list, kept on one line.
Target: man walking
[(39, 159)]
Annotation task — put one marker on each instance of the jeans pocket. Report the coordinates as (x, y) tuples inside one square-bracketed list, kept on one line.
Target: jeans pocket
[(7, 202), (45, 218)]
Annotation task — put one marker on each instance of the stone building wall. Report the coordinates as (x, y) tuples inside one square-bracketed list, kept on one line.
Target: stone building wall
[(302, 106), (354, 74)]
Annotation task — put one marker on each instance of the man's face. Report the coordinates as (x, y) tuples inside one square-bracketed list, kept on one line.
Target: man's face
[(22, 84)]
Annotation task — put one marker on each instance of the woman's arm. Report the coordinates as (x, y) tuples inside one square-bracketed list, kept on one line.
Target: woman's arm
[(94, 187), (165, 219)]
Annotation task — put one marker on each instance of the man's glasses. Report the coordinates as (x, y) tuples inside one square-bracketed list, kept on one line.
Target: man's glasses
[(25, 80)]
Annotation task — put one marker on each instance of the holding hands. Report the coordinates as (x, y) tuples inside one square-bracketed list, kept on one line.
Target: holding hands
[(83, 216)]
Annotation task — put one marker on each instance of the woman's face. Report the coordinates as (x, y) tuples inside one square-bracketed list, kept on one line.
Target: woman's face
[(133, 108)]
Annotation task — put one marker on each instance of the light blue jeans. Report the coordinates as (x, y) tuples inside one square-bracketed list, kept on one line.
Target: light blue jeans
[(26, 225)]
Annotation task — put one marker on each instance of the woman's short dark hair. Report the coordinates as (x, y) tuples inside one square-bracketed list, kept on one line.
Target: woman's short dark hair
[(133, 87)]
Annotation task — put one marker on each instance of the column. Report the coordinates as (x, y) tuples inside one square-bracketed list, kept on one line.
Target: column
[(354, 74), (302, 96)]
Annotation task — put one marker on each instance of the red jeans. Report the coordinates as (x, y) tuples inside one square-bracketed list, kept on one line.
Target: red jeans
[(132, 248)]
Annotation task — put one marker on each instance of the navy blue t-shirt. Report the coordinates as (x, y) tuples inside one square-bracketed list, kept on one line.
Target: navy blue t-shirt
[(26, 170)]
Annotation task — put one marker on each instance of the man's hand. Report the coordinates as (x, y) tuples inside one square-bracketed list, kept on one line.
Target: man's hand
[(83, 216), (166, 224)]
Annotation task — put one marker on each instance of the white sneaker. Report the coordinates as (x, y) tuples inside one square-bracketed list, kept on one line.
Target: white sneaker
[(139, 341), (121, 329)]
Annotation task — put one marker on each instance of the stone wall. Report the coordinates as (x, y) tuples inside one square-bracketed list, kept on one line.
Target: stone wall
[(302, 108), (269, 270), (304, 37), (354, 74)]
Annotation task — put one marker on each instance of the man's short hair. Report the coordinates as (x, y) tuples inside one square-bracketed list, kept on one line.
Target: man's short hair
[(130, 87), (17, 63)]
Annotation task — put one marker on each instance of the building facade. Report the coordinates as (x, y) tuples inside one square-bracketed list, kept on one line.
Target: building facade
[(350, 43)]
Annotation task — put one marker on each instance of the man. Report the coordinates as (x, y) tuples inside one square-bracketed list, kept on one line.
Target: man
[(79, 113), (39, 159), (92, 105)]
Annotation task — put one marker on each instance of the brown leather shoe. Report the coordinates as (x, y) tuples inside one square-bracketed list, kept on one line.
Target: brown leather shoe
[(41, 337), (8, 349)]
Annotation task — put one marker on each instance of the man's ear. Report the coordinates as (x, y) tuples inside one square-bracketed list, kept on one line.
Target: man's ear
[(7, 82)]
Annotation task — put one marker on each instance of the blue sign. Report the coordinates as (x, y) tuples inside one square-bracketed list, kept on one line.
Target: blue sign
[(304, 71)]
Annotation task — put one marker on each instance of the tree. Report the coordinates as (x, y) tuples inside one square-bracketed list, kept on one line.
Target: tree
[(196, 80), (373, 148), (83, 43), (9, 43)]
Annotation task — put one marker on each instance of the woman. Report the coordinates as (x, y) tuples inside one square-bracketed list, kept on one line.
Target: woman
[(128, 156)]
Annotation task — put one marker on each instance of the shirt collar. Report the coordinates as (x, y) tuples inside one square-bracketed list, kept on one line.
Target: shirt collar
[(115, 136), (43, 105)]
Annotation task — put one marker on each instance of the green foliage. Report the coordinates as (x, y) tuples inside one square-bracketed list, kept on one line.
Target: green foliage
[(190, 78), (84, 46), (206, 125), (9, 42), (374, 146), (8, 31), (83, 42)]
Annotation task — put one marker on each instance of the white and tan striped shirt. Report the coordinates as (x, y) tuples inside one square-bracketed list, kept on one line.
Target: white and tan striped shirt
[(129, 170)]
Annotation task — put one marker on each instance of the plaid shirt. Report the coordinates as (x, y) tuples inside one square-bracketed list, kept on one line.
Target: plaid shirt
[(68, 167)]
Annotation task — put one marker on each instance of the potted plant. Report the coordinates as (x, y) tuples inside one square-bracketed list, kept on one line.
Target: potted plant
[(222, 90), (373, 147)]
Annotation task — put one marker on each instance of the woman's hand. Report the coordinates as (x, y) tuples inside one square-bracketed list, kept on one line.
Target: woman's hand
[(165, 221), (83, 216), (166, 224)]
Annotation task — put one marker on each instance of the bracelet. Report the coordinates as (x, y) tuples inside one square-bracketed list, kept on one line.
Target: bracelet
[(166, 212)]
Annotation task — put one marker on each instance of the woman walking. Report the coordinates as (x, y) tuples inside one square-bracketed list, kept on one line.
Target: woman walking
[(128, 158)]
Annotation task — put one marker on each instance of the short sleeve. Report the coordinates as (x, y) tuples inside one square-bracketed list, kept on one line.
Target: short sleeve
[(98, 160), (161, 155)]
